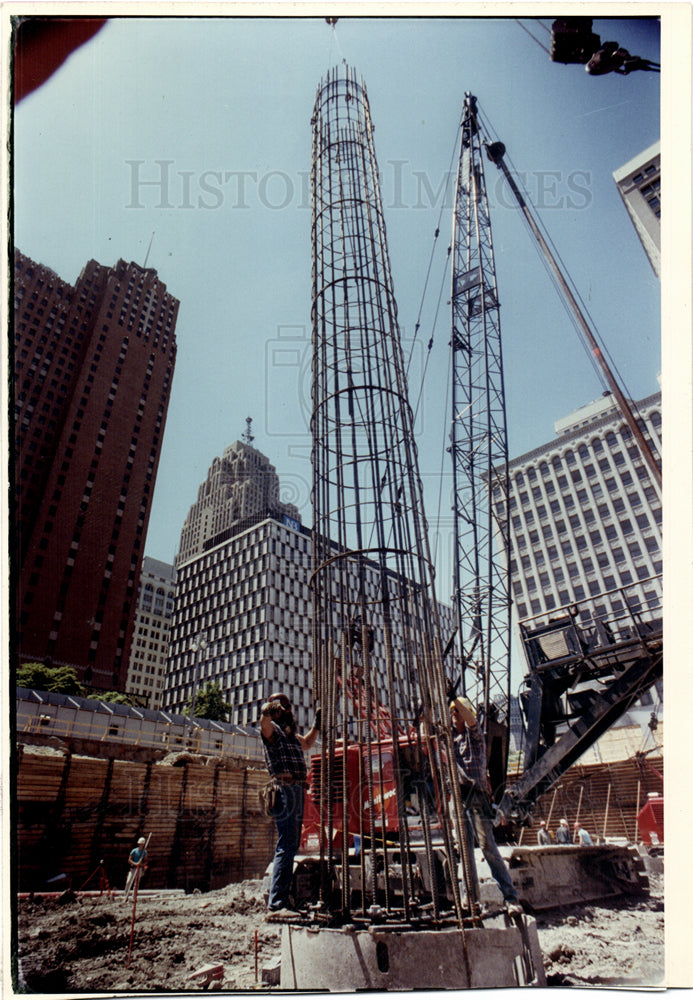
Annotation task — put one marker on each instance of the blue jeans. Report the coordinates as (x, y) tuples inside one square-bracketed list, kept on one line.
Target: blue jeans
[(288, 816), (479, 819)]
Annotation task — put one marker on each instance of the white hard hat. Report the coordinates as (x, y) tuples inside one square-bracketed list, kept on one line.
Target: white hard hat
[(141, 841)]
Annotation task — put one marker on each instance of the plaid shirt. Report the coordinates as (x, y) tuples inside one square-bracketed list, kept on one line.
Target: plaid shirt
[(284, 755), (470, 755)]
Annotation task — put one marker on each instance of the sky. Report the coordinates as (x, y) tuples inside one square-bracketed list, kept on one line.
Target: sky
[(197, 130)]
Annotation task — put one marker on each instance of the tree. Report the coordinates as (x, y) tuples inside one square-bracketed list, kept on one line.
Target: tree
[(45, 677), (210, 704), (116, 697)]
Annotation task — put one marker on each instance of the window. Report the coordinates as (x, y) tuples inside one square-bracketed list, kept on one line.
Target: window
[(566, 547), (552, 552), (626, 526), (610, 532), (610, 485), (536, 492), (532, 475)]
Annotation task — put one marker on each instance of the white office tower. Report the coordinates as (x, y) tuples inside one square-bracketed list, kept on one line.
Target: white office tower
[(149, 652), (639, 184), (586, 518), (248, 598)]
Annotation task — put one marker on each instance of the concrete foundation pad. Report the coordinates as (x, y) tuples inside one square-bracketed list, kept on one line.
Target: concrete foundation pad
[(348, 959)]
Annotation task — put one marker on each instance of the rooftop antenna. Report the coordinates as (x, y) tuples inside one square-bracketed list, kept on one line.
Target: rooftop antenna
[(248, 436), (148, 249)]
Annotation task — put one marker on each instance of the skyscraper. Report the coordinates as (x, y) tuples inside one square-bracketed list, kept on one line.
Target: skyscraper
[(639, 184), (93, 371), (241, 487), (248, 596), (585, 517), (147, 671)]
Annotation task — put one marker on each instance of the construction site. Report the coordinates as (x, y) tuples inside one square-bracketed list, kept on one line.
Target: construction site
[(390, 890)]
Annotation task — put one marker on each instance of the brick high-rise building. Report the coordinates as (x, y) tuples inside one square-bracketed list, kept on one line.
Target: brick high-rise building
[(93, 371)]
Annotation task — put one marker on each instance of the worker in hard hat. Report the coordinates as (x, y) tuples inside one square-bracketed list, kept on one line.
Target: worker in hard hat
[(283, 747), (563, 833), (138, 863), (470, 756), (544, 835)]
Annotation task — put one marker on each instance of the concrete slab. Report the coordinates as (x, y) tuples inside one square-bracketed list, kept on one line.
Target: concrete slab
[(347, 959)]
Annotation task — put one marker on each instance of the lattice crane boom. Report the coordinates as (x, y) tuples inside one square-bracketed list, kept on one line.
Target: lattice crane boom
[(479, 443)]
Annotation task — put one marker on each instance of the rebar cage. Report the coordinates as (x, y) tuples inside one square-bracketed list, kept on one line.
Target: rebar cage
[(377, 645)]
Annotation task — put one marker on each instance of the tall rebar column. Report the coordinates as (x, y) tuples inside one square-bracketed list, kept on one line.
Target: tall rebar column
[(479, 453), (377, 650)]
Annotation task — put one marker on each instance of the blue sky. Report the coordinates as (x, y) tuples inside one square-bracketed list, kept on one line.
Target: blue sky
[(219, 110)]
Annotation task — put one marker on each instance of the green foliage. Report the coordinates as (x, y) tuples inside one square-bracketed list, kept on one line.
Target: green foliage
[(40, 677), (117, 697), (210, 704)]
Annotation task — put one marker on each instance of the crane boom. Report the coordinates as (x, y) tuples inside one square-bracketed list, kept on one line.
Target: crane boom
[(496, 152)]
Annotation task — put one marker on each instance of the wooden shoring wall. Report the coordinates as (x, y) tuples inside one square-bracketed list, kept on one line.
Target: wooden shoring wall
[(586, 787), (73, 813)]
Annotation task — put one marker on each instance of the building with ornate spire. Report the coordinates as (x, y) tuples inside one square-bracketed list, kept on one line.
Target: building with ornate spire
[(241, 488)]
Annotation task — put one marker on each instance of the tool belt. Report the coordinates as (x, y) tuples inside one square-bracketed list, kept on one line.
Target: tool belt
[(288, 779)]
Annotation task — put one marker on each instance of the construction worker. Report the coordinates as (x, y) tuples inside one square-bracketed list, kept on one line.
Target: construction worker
[(137, 862), (544, 836), (283, 747), (582, 836), (470, 756), (563, 832)]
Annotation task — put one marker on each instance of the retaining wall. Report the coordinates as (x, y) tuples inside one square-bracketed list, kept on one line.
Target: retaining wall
[(74, 812)]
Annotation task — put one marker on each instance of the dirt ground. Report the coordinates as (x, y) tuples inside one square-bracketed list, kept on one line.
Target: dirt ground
[(81, 945)]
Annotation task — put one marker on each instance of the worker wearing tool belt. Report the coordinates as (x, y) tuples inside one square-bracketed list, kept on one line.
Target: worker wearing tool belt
[(283, 747), (470, 756)]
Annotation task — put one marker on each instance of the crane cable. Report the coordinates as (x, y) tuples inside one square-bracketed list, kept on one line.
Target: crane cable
[(488, 131), (436, 234), (525, 28)]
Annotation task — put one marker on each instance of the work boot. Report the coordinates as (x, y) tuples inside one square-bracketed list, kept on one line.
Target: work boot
[(284, 913)]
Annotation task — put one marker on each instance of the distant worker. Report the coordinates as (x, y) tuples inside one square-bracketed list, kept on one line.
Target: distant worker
[(583, 837), (470, 756), (283, 747), (544, 835), (563, 833), (611, 58), (138, 865)]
